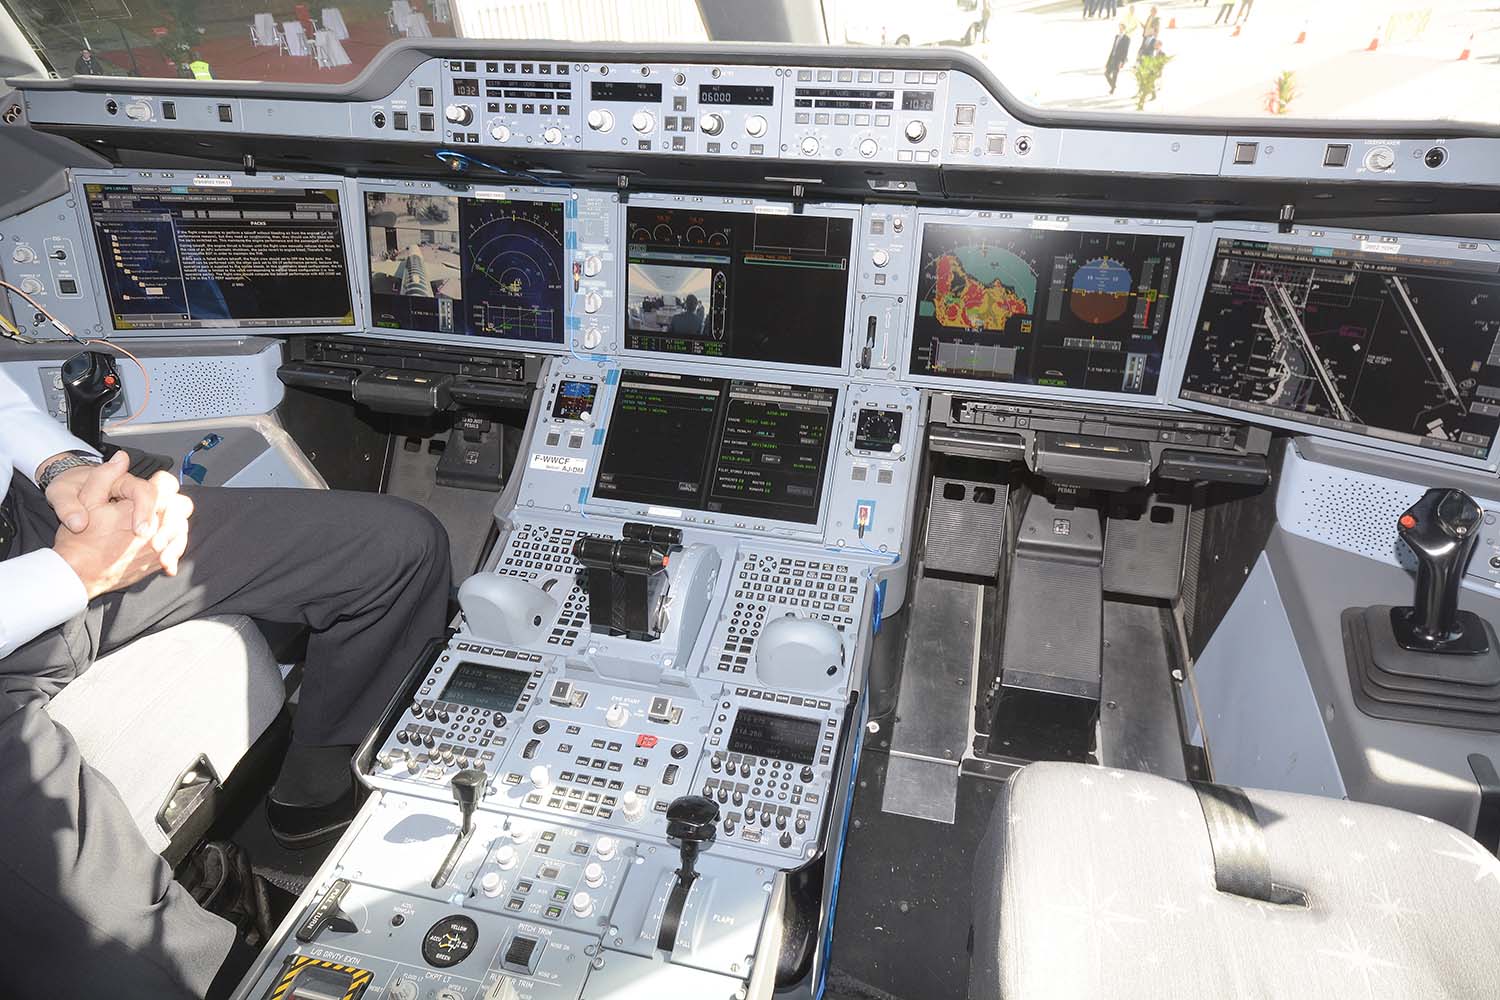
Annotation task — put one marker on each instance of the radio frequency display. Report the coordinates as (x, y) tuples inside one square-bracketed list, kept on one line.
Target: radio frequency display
[(1390, 345), (1046, 307)]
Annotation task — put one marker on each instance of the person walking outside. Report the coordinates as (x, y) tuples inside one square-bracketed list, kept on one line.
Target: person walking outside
[(1244, 11), (1225, 9), (1119, 54)]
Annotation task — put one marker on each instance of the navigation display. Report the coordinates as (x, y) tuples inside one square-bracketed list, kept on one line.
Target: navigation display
[(178, 257), (480, 267), (1047, 307), (1388, 345), (748, 286), (755, 449)]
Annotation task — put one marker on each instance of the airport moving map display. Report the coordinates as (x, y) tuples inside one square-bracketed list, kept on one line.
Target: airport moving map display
[(1045, 307), (1390, 345), (477, 266)]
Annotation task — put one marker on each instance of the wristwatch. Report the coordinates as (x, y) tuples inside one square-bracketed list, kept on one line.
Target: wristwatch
[(69, 460)]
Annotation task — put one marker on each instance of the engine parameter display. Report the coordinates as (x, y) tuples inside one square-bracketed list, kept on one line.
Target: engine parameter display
[(178, 257), (754, 449), (750, 286), (1401, 347), (1067, 308), (479, 267), (782, 737)]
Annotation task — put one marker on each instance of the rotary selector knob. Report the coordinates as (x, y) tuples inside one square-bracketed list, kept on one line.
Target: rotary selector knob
[(31, 286), (880, 257), (505, 857), (711, 124), (500, 132), (868, 148), (540, 777), (138, 111), (491, 883), (593, 875), (755, 126), (583, 904), (552, 135), (591, 338), (23, 254), (402, 989), (643, 121), (605, 847), (915, 131), (810, 146), (616, 716), (1380, 158), (633, 806), (592, 265), (601, 120), (459, 114), (592, 302)]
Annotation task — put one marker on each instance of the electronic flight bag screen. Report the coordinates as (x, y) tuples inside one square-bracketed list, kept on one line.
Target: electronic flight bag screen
[(747, 286), (1396, 346), (184, 257), (469, 266), (752, 449), (1067, 308)]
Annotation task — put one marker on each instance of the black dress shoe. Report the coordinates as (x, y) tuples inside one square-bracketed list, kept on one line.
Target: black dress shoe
[(299, 827)]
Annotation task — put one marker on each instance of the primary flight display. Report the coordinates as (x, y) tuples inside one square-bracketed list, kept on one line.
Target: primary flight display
[(1072, 309)]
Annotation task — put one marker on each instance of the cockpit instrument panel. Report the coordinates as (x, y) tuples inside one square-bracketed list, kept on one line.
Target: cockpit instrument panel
[(717, 283), (1390, 340), (729, 446), (1045, 303), (213, 251)]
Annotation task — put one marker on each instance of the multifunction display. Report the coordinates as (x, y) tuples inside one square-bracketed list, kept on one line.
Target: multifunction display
[(474, 266), (753, 449), (782, 737), (1389, 345), (1066, 308), (575, 400), (187, 257), (494, 689), (749, 286)]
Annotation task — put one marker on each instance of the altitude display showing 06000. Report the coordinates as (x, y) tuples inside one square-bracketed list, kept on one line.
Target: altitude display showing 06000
[(1046, 307), (484, 267)]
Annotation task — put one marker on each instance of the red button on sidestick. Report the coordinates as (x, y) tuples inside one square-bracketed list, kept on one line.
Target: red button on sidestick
[(1408, 522)]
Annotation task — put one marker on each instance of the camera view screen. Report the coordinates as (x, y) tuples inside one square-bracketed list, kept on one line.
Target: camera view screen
[(755, 449), (749, 286), (1046, 307), (1394, 346), (479, 267), (180, 257)]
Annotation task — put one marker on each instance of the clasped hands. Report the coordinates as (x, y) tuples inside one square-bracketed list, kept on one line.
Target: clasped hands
[(117, 529)]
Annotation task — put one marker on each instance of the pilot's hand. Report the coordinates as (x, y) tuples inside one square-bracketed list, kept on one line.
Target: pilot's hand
[(78, 491), (109, 555)]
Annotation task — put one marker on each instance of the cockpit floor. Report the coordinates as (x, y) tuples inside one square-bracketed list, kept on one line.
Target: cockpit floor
[(901, 931)]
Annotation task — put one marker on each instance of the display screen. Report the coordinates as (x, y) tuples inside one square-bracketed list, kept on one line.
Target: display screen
[(480, 267), (180, 257), (575, 400), (1389, 345), (755, 449), (636, 93), (749, 286), (494, 689), (1046, 307), (725, 93), (784, 737)]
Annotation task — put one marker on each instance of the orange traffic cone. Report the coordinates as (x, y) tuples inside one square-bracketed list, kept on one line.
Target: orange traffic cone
[(1374, 40), (1172, 23), (1236, 32), (1467, 46), (1301, 35)]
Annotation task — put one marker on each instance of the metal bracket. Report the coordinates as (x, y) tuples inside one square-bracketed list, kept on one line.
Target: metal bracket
[(192, 787), (799, 193), (250, 164), (622, 187), (1487, 820), (1286, 218)]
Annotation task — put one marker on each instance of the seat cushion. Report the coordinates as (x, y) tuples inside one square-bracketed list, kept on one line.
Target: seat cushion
[(143, 714), (1100, 883)]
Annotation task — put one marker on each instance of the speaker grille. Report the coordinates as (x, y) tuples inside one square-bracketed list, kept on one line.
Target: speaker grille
[(195, 388), (1352, 511)]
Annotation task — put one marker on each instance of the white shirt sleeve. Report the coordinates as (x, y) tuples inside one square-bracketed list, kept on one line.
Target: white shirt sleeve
[(27, 435), (38, 591)]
